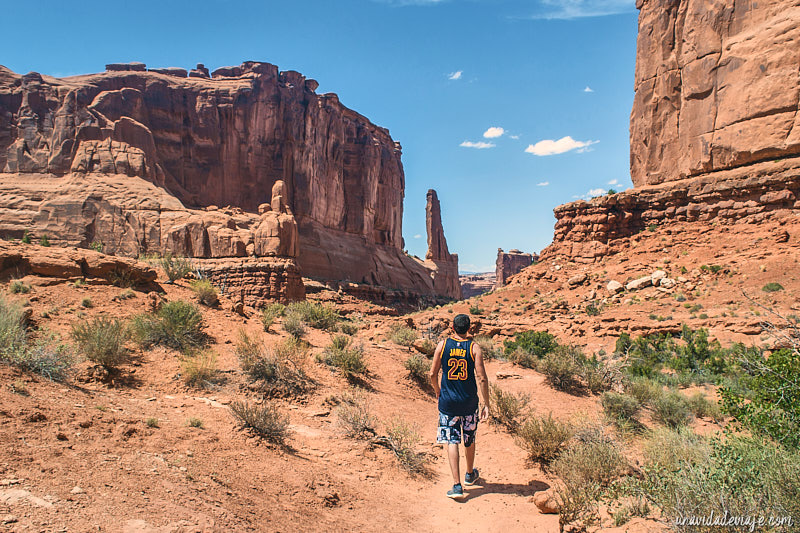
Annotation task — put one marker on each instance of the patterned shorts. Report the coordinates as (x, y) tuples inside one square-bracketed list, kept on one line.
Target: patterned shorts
[(451, 428)]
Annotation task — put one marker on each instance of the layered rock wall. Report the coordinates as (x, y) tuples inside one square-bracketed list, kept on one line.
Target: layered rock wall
[(187, 161), (510, 263), (717, 86)]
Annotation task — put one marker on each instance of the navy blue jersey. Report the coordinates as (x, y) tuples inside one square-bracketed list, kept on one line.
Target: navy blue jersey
[(459, 394)]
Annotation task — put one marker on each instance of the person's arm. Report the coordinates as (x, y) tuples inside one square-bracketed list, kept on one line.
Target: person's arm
[(483, 380), (436, 366)]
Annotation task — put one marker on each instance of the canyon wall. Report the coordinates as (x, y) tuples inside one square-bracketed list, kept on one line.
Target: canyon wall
[(714, 130), (148, 161), (510, 263)]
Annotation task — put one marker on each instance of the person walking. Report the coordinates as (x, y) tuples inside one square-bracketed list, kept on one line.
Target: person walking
[(463, 382)]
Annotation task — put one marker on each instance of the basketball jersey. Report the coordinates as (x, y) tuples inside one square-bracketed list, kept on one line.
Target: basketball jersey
[(459, 391)]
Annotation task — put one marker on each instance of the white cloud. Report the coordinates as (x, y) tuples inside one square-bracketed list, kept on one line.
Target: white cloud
[(596, 192), (479, 144), (494, 132), (417, 236), (613, 182), (573, 9), (543, 184), (564, 144), (455, 75), (514, 136), (588, 89)]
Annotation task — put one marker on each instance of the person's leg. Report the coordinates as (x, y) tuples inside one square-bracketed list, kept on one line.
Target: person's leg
[(469, 453), (469, 429), (452, 455)]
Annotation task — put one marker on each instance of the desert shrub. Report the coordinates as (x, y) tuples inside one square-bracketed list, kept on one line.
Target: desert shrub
[(586, 469), (596, 375), (402, 334), (523, 358), (418, 367), (87, 303), (44, 355), (671, 449), (318, 316), (270, 313), (26, 237), (401, 438), (19, 287), (293, 325), (536, 343), (205, 292), (343, 355), (177, 325), (488, 348), (767, 401), (266, 420), (348, 328), (672, 409), (199, 369), (701, 407), (475, 310), (102, 341), (126, 294), (562, 367), (44, 240), (194, 422), (543, 438), (772, 286), (97, 246), (619, 407), (19, 387), (643, 389), (281, 369), (354, 415), (174, 266), (508, 408), (428, 347), (151, 422), (737, 476)]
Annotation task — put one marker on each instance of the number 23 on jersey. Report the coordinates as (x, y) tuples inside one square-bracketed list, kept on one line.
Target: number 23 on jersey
[(457, 370)]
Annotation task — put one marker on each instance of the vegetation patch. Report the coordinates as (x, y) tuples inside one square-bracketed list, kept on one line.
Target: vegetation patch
[(543, 438), (402, 335), (205, 292), (280, 370), (318, 316), (199, 369), (508, 408), (346, 357), (266, 420), (177, 325), (419, 368), (102, 341), (355, 416)]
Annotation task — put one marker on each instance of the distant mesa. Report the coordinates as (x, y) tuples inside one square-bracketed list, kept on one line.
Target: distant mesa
[(510, 263), (193, 163)]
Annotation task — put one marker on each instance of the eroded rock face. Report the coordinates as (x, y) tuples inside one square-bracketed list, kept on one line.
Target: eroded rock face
[(139, 160), (443, 264), (510, 263), (716, 86)]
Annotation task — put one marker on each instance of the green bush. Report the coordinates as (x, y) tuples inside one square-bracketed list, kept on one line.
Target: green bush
[(318, 316), (346, 357), (475, 310), (174, 266), (619, 407), (701, 407), (735, 476), (508, 408), (419, 368), (26, 237), (194, 422), (86, 303), (19, 287), (151, 422), (402, 335), (767, 401), (270, 313), (354, 415), (772, 287), (44, 241), (205, 292), (199, 369), (97, 246), (543, 438), (177, 325), (265, 420), (536, 343), (672, 409), (102, 341), (643, 389), (348, 328)]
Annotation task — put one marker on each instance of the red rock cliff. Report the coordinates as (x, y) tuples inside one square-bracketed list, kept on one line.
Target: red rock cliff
[(141, 159), (715, 128)]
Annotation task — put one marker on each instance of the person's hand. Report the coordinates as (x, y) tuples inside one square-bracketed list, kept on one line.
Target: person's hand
[(484, 413)]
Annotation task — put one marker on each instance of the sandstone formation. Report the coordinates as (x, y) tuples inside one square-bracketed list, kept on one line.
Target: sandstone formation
[(476, 284), (717, 86), (715, 128), (443, 264), (511, 262), (140, 160)]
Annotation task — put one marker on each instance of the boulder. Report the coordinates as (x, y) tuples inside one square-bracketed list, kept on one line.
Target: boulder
[(640, 283), (577, 279), (667, 283), (657, 275), (614, 287), (547, 501)]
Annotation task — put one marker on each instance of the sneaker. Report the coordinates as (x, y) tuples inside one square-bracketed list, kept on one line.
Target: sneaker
[(470, 479), (456, 492)]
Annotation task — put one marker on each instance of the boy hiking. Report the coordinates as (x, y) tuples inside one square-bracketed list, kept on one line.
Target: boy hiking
[(461, 361)]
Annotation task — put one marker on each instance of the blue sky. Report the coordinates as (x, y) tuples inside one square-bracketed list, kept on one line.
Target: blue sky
[(507, 107)]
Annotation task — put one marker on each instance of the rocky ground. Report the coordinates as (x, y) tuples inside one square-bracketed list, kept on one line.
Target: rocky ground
[(81, 455)]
